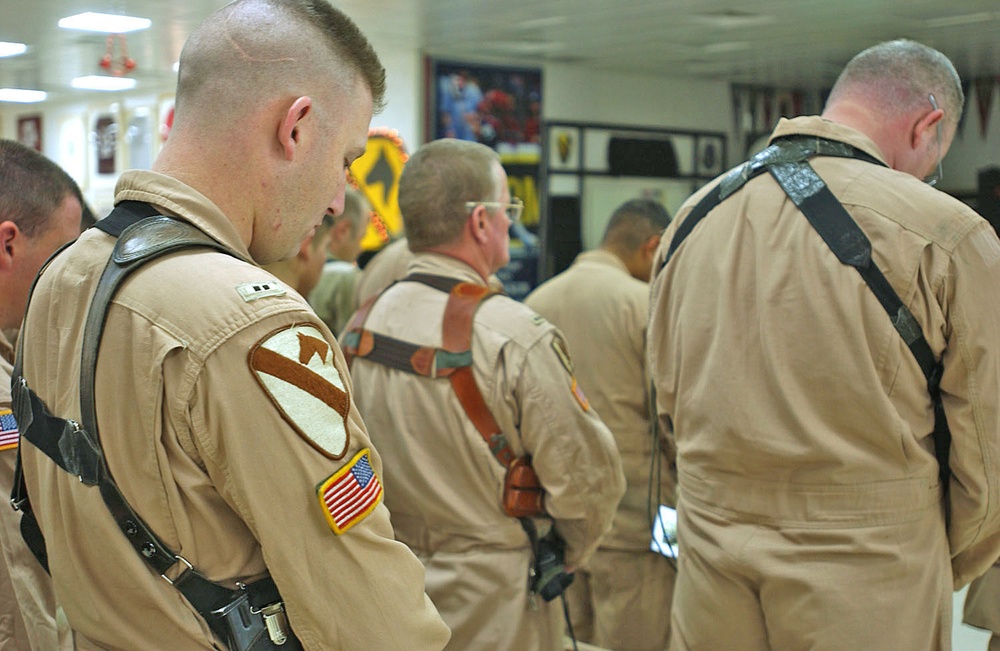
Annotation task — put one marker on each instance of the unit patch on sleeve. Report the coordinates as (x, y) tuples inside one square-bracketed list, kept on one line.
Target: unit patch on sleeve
[(295, 366), (8, 430), (351, 493)]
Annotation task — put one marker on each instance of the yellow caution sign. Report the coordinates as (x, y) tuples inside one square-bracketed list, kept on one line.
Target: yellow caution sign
[(376, 174)]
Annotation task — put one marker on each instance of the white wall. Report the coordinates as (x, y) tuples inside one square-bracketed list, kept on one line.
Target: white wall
[(580, 94), (971, 151), (570, 93)]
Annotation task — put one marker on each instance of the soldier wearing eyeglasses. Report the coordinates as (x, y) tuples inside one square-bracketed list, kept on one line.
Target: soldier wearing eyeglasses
[(444, 485)]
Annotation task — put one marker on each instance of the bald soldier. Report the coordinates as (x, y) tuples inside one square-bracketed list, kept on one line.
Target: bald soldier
[(814, 510), (515, 387), (225, 408), (40, 210), (621, 598)]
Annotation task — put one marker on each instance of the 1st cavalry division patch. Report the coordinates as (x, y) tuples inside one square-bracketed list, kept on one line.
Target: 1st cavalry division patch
[(351, 493), (295, 366)]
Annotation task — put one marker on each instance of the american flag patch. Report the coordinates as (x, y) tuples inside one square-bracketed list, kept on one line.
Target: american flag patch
[(8, 430), (351, 493)]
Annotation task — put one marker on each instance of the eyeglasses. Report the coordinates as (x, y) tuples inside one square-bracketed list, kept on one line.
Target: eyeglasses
[(513, 209), (934, 179)]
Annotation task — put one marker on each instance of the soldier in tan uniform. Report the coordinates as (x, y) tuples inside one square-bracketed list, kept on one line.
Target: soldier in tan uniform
[(443, 483), (386, 267), (40, 210), (302, 271), (225, 407), (810, 510), (621, 598), (333, 295)]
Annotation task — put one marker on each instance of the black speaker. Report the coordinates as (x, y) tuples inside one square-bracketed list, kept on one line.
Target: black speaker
[(637, 157), (988, 198)]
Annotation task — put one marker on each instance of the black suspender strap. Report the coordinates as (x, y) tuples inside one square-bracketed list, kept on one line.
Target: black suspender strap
[(143, 235), (787, 162)]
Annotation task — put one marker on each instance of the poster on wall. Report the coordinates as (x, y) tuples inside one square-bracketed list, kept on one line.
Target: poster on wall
[(500, 107), (105, 143), (29, 131)]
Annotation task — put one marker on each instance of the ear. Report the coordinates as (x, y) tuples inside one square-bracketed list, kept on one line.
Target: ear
[(9, 244), (649, 248), (477, 224), (290, 129), (926, 127)]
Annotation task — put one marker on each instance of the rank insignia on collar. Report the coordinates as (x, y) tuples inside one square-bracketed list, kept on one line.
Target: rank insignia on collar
[(295, 367), (8, 430), (350, 494), (252, 291)]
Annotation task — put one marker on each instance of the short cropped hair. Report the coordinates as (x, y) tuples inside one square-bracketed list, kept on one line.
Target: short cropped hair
[(634, 222), (899, 75), (436, 183), (32, 187), (250, 44)]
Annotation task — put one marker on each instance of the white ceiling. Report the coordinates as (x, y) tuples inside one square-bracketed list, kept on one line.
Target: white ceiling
[(785, 43)]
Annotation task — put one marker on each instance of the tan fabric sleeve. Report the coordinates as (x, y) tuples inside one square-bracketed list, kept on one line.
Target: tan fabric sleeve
[(970, 388), (572, 450), (359, 589)]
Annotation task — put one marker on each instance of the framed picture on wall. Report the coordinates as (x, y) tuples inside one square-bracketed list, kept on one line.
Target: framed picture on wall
[(500, 107), (29, 131), (497, 106)]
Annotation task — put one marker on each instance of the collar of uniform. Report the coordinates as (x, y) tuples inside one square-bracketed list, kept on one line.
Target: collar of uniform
[(602, 257), (814, 125), (443, 265), (174, 198), (7, 339)]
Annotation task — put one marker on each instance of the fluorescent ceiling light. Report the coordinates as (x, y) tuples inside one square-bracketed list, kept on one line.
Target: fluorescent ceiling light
[(21, 95), (966, 19), (108, 23), (12, 49), (103, 82)]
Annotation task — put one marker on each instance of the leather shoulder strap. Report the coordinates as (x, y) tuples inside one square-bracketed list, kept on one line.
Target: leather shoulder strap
[(453, 360)]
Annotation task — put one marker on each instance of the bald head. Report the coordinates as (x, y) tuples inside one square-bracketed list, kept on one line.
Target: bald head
[(260, 49), (896, 77)]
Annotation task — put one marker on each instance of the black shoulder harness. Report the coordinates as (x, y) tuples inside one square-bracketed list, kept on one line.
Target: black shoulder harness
[(143, 235), (787, 160)]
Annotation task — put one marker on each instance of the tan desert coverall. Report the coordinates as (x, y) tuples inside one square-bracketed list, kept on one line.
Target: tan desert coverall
[(444, 486), (602, 311), (810, 511), (209, 384)]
